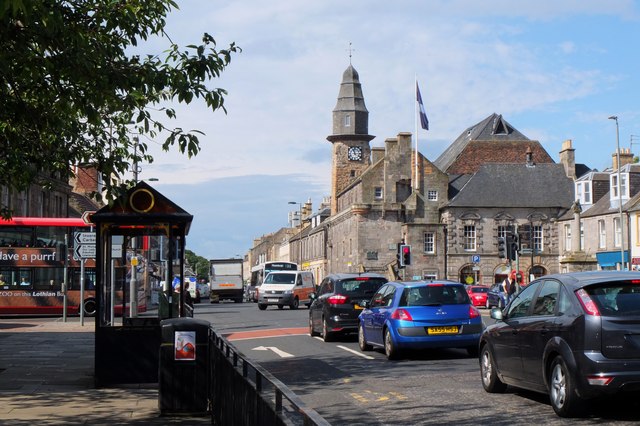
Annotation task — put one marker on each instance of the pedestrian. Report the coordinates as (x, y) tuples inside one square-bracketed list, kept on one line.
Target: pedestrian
[(510, 287), (188, 300)]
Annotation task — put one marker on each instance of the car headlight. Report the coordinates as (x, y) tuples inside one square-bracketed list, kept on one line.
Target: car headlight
[(288, 291)]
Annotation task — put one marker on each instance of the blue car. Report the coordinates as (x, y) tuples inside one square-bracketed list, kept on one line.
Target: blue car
[(419, 315), (496, 297)]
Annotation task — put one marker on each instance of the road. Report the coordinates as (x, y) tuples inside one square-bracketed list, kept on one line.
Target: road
[(347, 386)]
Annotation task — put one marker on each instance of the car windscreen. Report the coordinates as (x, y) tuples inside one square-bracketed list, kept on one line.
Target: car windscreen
[(480, 290), (617, 298), (434, 295), (280, 278), (359, 287)]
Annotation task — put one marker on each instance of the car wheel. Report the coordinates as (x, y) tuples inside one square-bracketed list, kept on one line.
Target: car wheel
[(562, 390), (390, 349), (312, 332), (262, 306), (362, 342), (294, 304), (490, 381), (327, 336)]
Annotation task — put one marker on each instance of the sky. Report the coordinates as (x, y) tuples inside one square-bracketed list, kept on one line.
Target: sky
[(555, 70)]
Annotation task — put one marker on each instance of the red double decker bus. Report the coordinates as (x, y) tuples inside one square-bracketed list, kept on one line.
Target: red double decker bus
[(34, 254)]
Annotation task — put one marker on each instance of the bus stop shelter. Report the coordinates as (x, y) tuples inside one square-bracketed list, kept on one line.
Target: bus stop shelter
[(140, 242)]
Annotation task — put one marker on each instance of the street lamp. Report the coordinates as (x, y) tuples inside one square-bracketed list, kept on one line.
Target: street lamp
[(300, 233), (615, 118)]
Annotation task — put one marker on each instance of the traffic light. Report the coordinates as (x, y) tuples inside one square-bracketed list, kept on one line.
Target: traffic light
[(515, 246), (399, 257), (512, 246), (502, 248), (405, 252)]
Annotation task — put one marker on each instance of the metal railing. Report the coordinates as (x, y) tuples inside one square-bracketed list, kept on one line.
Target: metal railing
[(243, 393)]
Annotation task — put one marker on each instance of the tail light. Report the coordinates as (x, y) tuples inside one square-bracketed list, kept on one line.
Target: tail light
[(337, 299), (473, 312), (599, 380), (587, 303), (401, 314)]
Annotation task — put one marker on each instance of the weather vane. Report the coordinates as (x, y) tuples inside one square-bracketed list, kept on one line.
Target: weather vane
[(351, 50)]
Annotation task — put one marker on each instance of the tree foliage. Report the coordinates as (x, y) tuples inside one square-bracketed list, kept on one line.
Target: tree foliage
[(199, 264), (72, 93)]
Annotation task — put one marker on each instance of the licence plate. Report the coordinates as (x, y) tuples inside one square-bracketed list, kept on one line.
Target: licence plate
[(272, 300), (443, 330)]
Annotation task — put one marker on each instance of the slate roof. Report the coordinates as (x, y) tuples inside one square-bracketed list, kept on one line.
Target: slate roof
[(493, 140), (516, 185)]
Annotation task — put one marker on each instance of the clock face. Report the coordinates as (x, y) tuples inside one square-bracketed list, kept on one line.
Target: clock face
[(354, 153)]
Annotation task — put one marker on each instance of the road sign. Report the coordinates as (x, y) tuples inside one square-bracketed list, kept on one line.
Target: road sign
[(86, 217), (84, 251), (84, 246), (475, 258), (84, 238)]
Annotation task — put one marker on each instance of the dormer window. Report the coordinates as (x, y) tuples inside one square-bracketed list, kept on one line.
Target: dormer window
[(623, 187), (583, 192)]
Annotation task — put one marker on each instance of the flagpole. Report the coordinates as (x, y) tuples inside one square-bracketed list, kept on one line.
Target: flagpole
[(415, 120)]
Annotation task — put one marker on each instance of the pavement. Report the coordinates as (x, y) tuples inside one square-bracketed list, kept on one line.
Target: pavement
[(47, 378)]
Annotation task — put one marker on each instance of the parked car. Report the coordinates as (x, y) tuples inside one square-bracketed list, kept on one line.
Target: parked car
[(338, 302), (573, 336), (419, 315), (496, 297), (478, 294)]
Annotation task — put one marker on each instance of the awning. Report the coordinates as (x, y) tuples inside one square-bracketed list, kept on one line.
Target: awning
[(607, 259)]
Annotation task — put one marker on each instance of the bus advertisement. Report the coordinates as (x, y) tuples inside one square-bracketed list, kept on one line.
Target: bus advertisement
[(36, 254)]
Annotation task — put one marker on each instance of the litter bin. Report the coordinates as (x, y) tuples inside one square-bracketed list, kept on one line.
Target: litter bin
[(183, 375)]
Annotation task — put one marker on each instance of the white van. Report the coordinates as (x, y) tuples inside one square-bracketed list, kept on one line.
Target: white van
[(290, 288)]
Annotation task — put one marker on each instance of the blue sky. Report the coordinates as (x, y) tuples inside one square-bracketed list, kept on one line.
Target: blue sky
[(554, 69)]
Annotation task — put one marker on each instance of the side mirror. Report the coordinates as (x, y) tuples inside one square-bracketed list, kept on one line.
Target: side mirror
[(313, 295), (496, 314)]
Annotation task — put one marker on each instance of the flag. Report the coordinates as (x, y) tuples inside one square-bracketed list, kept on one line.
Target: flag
[(424, 122)]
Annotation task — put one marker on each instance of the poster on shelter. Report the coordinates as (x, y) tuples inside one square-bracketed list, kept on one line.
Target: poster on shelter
[(185, 345)]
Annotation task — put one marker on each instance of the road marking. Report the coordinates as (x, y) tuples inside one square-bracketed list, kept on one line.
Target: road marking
[(275, 350), (261, 334), (373, 397), (355, 352)]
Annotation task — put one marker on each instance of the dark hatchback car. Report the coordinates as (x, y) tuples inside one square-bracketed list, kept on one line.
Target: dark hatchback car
[(338, 302), (572, 336)]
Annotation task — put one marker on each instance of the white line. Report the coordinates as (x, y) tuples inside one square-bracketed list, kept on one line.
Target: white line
[(355, 352)]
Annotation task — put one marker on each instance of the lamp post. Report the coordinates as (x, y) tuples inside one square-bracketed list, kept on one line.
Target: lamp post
[(615, 118), (300, 233)]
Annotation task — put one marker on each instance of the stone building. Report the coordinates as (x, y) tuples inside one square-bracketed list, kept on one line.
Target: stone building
[(491, 180), (376, 203), (61, 199), (498, 186), (601, 231)]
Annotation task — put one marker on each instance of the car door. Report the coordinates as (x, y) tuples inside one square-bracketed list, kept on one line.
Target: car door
[(318, 305), (375, 316), (506, 339), (536, 330)]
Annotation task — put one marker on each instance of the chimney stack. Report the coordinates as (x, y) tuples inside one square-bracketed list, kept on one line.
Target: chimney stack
[(568, 158)]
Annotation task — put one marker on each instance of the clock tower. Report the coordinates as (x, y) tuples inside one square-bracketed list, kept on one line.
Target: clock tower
[(351, 151)]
